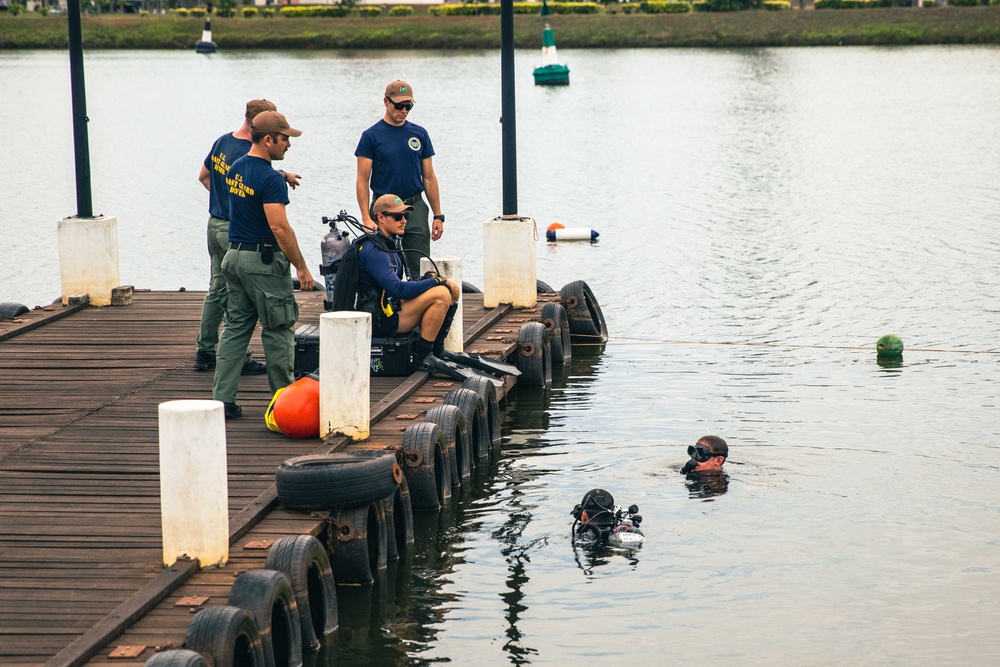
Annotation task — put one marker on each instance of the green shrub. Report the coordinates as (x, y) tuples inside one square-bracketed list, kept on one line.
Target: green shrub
[(181, 11), (730, 5), (268, 12), (15, 9), (776, 5), (844, 4), (493, 8), (664, 7), (964, 3), (304, 11), (400, 10), (249, 12), (929, 3), (367, 11), (994, 2), (700, 6), (198, 12), (629, 8)]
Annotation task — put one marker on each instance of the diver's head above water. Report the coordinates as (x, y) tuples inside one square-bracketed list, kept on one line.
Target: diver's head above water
[(707, 455)]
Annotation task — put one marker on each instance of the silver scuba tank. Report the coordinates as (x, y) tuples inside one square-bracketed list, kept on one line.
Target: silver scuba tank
[(332, 249)]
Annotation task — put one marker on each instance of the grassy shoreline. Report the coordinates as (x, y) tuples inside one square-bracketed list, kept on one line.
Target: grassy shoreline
[(888, 26)]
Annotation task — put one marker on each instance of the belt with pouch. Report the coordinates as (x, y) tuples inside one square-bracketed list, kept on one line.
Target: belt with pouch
[(256, 247)]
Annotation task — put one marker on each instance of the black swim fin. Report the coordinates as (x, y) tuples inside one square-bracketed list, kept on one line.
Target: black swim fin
[(482, 363), (436, 366)]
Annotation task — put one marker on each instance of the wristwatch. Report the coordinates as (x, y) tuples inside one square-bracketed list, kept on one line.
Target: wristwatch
[(439, 217)]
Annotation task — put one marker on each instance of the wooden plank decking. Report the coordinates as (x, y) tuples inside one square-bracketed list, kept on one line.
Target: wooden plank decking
[(79, 482)]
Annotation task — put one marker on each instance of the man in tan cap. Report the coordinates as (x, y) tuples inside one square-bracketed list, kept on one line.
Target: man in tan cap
[(262, 248), (398, 305), (227, 149), (394, 156)]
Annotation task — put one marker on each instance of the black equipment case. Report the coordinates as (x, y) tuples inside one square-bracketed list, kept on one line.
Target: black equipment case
[(390, 357)]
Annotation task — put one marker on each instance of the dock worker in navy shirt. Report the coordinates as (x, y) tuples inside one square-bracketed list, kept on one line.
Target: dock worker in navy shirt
[(227, 149), (262, 248), (398, 305), (395, 156)]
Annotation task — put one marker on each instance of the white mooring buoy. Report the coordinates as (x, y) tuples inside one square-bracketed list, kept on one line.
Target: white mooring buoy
[(206, 45)]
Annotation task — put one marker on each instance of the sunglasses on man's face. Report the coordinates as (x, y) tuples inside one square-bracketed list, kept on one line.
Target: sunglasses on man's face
[(700, 453), (397, 216), (400, 105)]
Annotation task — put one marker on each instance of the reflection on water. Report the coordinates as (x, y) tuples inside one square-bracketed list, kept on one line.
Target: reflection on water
[(706, 485)]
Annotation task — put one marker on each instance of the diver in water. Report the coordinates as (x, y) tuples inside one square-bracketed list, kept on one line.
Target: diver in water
[(600, 520), (705, 477), (707, 455)]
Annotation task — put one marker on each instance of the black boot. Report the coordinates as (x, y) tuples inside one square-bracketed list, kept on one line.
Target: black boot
[(449, 317)]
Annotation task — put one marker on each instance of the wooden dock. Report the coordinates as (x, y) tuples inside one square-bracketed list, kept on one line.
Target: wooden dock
[(80, 546)]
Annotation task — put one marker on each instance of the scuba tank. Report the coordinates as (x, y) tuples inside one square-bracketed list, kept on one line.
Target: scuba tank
[(332, 249)]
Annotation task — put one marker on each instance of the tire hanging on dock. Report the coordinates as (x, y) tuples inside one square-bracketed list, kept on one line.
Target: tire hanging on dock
[(452, 423), (228, 634), (268, 595), (9, 310), (398, 522), (304, 560), (488, 391), (534, 359), (356, 540), (557, 322), (542, 287), (325, 481), (474, 410), (586, 321), (177, 658), (427, 467)]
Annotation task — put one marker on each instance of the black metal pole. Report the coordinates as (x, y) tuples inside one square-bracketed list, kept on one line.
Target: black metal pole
[(507, 108), (81, 142)]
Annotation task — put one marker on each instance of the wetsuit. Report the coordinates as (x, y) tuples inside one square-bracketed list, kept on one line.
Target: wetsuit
[(381, 287)]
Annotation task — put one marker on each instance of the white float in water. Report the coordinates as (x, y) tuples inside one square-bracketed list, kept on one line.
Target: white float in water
[(559, 232)]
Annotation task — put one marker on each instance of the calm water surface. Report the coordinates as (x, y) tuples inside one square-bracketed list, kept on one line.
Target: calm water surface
[(793, 203)]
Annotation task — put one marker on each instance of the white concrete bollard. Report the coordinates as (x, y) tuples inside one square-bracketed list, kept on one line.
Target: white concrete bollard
[(88, 258), (194, 489), (509, 262), (345, 348), (450, 268)]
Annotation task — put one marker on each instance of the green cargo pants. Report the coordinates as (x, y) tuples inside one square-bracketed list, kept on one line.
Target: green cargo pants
[(256, 291), (213, 310)]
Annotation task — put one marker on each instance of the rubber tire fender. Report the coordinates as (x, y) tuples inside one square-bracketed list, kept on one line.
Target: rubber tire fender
[(304, 560), (488, 391), (9, 310), (228, 634), (542, 287), (268, 595), (451, 421), (557, 322), (476, 419), (586, 320), (177, 658), (326, 481), (430, 480), (469, 288), (398, 522), (359, 554), (534, 359)]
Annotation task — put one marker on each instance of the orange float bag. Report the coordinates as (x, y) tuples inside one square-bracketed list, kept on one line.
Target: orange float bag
[(294, 410)]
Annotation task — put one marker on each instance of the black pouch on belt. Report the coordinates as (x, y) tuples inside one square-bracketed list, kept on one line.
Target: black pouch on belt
[(267, 253)]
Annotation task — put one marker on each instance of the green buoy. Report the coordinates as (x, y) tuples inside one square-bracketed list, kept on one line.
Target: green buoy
[(889, 345)]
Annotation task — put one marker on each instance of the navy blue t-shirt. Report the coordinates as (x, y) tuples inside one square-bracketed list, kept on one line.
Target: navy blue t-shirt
[(252, 182), (226, 150), (397, 153)]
